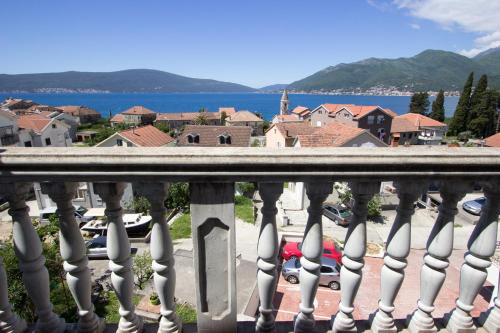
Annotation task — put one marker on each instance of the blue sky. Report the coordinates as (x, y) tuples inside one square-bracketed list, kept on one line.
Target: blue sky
[(255, 43)]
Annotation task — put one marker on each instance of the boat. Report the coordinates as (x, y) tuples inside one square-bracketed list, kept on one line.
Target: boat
[(134, 223)]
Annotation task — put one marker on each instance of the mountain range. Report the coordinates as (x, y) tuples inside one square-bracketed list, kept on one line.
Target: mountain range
[(132, 80), (429, 70)]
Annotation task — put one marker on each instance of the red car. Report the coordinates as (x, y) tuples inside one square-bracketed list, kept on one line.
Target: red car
[(330, 250)]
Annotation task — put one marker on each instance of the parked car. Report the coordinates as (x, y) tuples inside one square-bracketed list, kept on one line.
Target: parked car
[(96, 248), (79, 212), (293, 250), (474, 206), (339, 214), (330, 272)]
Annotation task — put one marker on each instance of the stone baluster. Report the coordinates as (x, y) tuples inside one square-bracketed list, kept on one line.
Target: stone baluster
[(267, 250), (28, 250), (9, 321), (214, 245), (312, 250), (162, 253), (473, 274), (439, 248), (120, 261), (73, 252), (491, 318), (397, 250), (354, 251)]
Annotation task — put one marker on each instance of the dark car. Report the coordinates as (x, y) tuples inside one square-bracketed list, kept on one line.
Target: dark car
[(330, 272), (340, 214), (474, 206)]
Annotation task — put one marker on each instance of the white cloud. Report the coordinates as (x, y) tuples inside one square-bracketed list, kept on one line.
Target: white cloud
[(381, 5), (478, 16), (415, 26)]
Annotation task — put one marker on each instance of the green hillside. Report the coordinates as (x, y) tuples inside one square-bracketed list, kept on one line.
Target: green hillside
[(132, 80), (429, 70)]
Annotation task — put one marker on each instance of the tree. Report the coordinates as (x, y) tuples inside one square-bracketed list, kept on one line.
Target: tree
[(143, 270), (178, 196), (419, 103), (476, 100), (438, 107), (162, 127), (223, 116), (483, 124), (139, 205), (201, 119), (459, 122)]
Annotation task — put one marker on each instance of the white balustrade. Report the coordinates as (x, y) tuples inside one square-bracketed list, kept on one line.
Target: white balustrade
[(397, 249), (312, 250), (439, 248), (120, 261), (354, 251), (473, 274), (267, 251), (9, 321), (162, 253), (73, 252), (491, 318), (28, 250)]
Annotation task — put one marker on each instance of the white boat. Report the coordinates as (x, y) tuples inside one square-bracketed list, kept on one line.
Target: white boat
[(134, 223)]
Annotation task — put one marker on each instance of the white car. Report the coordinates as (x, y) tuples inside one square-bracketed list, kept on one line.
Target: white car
[(79, 215)]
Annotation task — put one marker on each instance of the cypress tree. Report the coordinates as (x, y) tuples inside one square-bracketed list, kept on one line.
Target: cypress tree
[(438, 107), (419, 103), (476, 99), (483, 125), (459, 121)]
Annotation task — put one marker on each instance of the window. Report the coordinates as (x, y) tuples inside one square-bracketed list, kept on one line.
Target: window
[(371, 120), (27, 143), (380, 119), (193, 138), (119, 142), (326, 269), (54, 126), (320, 112), (47, 141), (225, 139), (410, 135), (129, 144)]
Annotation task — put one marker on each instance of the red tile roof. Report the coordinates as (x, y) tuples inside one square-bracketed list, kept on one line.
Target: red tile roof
[(147, 136), (209, 135), (186, 116), (413, 122), (287, 117), (77, 110), (292, 129), (493, 141), (227, 110), (358, 111), (137, 110), (117, 118), (332, 135), (244, 116), (301, 110), (33, 121)]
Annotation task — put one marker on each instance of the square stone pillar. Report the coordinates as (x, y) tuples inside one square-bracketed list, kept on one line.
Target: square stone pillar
[(213, 229)]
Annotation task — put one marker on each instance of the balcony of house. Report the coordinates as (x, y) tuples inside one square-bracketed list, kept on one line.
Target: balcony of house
[(212, 174)]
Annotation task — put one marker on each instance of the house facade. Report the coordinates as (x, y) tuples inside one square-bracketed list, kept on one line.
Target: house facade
[(9, 132), (246, 118), (36, 130), (84, 114), (375, 119), (136, 115), (416, 129), (283, 134), (144, 136), (215, 136), (178, 120)]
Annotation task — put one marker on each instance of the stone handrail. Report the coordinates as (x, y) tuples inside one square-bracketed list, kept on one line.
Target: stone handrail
[(212, 173)]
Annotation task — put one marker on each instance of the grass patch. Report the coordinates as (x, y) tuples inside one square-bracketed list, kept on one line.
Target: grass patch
[(285, 185), (181, 228), (244, 209), (109, 310), (186, 313)]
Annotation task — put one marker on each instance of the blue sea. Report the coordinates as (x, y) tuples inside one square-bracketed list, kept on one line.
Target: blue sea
[(266, 104)]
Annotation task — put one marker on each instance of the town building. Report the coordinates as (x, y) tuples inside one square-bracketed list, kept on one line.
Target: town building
[(284, 103), (247, 118), (84, 114), (9, 132), (492, 141), (36, 130), (144, 136), (56, 113), (215, 136), (178, 120), (373, 118), (17, 105), (416, 129), (136, 115), (283, 134)]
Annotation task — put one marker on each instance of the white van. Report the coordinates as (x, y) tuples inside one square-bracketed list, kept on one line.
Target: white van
[(79, 212)]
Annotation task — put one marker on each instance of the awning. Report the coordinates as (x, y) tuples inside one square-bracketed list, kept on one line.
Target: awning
[(94, 212)]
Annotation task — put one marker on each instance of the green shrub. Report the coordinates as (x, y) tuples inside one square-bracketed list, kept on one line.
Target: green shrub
[(181, 228)]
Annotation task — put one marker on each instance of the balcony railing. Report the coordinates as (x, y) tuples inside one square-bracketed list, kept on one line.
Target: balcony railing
[(212, 173)]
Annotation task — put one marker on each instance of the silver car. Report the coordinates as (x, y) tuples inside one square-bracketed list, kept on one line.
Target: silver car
[(339, 214), (474, 206), (97, 248), (330, 272)]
